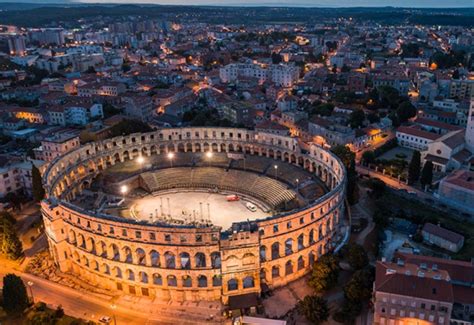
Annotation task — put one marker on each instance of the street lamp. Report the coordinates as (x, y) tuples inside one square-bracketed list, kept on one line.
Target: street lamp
[(30, 285), (276, 170), (123, 190), (297, 184), (209, 156), (140, 161), (170, 157), (113, 307)]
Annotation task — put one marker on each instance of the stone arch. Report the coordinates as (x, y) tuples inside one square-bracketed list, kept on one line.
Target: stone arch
[(170, 260), (127, 254), (216, 281), (275, 271), (187, 281), (130, 275), (202, 281), (300, 263), (311, 237), (263, 275), (72, 237), (311, 258), (141, 256), (215, 260), (143, 276), (300, 242), (115, 252), (154, 258), (157, 279), (248, 282), (263, 253), (232, 284), (181, 147), (200, 260), (117, 272), (185, 260), (288, 246), (275, 250), (171, 281), (288, 267), (81, 242)]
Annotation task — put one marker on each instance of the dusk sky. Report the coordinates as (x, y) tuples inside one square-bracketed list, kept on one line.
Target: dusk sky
[(309, 3)]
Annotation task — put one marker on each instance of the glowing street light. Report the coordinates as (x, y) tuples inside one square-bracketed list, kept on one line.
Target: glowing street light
[(297, 184), (170, 157), (30, 285), (123, 190), (209, 154), (141, 160), (276, 170)]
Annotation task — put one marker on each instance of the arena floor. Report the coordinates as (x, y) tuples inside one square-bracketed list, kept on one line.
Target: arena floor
[(186, 206)]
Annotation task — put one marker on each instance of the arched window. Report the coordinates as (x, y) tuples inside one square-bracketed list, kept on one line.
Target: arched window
[(200, 260), (275, 272), (118, 272), (216, 260), (288, 247), (127, 254), (300, 263), (311, 237), (248, 282), (312, 258), (187, 281), (157, 279), (202, 281), (275, 250), (288, 268), (141, 256), (170, 260), (263, 253), (320, 231), (263, 275), (115, 252), (143, 277), (106, 268), (185, 261), (130, 275), (232, 285), (216, 281), (300, 242), (172, 282), (155, 258)]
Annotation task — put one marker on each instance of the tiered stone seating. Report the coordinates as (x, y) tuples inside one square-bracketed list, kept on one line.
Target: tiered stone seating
[(253, 163), (262, 187)]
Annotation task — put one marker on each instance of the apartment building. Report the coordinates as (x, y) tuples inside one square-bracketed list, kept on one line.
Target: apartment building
[(56, 145)]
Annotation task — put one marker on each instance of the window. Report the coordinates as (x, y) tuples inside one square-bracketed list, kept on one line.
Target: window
[(167, 237), (152, 236), (124, 232), (138, 234), (198, 238), (275, 228)]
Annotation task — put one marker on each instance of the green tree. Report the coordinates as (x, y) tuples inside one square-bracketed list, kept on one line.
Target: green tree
[(37, 182), (377, 186), (127, 127), (10, 244), (325, 273), (414, 168), (427, 174), (357, 257), (15, 298), (357, 118), (359, 288), (368, 157), (406, 111), (314, 308), (348, 159), (373, 117)]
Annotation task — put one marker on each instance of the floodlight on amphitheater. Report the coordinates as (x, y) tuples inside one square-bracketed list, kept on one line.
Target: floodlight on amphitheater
[(123, 189), (140, 160), (170, 155), (209, 154)]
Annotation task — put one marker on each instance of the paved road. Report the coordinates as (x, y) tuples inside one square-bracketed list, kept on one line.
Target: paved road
[(91, 306)]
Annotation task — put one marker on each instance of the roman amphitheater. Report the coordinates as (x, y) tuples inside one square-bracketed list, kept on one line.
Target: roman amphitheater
[(193, 213)]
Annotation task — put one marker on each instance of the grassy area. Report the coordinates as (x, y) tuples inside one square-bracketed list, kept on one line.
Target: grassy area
[(420, 213)]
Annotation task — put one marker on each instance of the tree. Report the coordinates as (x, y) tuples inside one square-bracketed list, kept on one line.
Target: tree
[(314, 308), (373, 117), (37, 182), (10, 244), (368, 157), (357, 257), (414, 168), (348, 159), (325, 273), (357, 118), (359, 288), (406, 111), (15, 298), (427, 174), (127, 127), (377, 186)]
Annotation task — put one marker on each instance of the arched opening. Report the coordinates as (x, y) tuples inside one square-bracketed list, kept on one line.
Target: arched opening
[(288, 247), (171, 281), (216, 281), (288, 268), (118, 272), (143, 277), (157, 279), (275, 250), (248, 282), (216, 260), (300, 263), (275, 272), (170, 260), (202, 281), (263, 253), (232, 285), (301, 242), (200, 260), (141, 256), (185, 260), (130, 275), (127, 253), (155, 258), (187, 281)]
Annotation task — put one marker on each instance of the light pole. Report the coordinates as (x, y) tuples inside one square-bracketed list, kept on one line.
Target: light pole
[(297, 184), (170, 157), (209, 157), (30, 285), (123, 190), (276, 171), (140, 161), (113, 307)]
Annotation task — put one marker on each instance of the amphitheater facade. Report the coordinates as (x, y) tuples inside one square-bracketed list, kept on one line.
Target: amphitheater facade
[(189, 262)]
